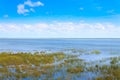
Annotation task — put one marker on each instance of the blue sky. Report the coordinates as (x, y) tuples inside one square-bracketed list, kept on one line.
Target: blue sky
[(59, 18)]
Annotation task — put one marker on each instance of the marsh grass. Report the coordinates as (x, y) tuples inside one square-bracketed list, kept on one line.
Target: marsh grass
[(27, 64), (95, 52), (77, 69), (42, 65)]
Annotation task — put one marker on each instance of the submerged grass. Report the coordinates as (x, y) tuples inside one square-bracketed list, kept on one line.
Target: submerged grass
[(55, 66)]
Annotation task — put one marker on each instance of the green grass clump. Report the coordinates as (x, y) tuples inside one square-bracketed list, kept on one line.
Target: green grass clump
[(95, 52), (115, 60), (4, 70), (99, 78), (69, 66), (23, 62), (75, 70), (73, 61), (7, 58)]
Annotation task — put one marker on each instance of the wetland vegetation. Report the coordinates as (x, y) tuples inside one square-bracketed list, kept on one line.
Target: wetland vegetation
[(63, 65)]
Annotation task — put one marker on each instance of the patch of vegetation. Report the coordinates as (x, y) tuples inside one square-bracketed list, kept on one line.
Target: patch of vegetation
[(95, 52), (77, 69), (49, 65), (26, 64)]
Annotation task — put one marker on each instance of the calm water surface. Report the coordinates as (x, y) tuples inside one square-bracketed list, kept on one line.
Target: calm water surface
[(58, 44)]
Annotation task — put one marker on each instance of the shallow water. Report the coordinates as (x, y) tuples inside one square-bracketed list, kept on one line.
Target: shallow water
[(95, 57), (59, 44), (108, 48)]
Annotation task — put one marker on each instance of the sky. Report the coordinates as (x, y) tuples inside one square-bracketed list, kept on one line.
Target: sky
[(59, 18)]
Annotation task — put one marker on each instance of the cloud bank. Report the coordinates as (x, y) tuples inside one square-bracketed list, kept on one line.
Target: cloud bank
[(62, 29)]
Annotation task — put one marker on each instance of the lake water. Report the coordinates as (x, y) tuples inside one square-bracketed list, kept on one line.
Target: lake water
[(59, 44), (108, 48)]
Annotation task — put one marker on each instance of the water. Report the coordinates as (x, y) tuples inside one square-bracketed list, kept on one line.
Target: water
[(59, 44), (108, 48)]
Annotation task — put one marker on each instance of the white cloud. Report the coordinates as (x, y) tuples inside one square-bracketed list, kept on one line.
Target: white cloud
[(22, 10), (33, 4), (69, 29)]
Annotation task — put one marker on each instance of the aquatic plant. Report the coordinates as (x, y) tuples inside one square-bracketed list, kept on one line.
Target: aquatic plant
[(95, 52), (77, 69), (65, 66), (99, 78)]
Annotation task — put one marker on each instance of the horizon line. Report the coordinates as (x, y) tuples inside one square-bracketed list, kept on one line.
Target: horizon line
[(59, 38)]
